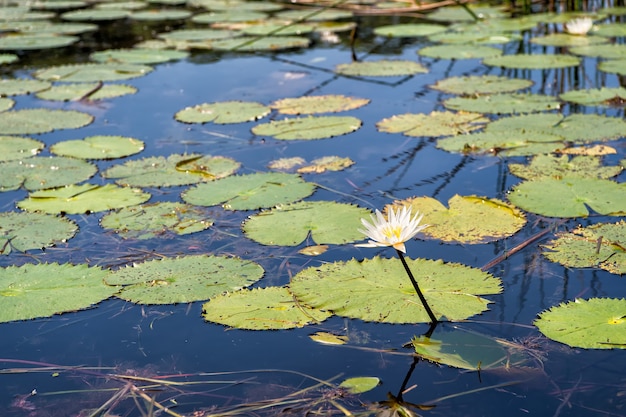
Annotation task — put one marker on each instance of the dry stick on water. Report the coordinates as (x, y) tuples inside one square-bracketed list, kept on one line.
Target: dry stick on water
[(433, 319)]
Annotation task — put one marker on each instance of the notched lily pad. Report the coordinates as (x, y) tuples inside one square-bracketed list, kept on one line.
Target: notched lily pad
[(513, 142), (137, 56), (43, 290), (42, 172), (596, 323), (256, 43), (326, 163), (19, 86), (432, 125), (558, 167), (308, 128), (31, 121), (85, 198), (98, 147), (409, 30), (485, 84), (176, 169), (152, 220), (536, 61), (459, 51), (271, 308), (614, 97), (223, 112), (85, 91), (27, 41), (596, 246), (504, 103), (26, 231), (15, 147), (88, 72), (348, 288), (184, 279), (318, 104), (324, 221), (470, 219), (250, 192), (382, 68), (570, 197)]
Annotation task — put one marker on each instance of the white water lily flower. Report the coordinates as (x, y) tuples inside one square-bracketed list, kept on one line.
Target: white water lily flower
[(579, 26), (398, 228)]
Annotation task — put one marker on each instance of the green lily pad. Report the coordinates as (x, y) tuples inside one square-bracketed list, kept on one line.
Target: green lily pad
[(31, 121), (6, 104), (459, 51), (381, 68), (84, 73), (158, 171), (470, 219), (40, 172), (463, 349), (409, 30), (96, 15), (570, 197), (151, 220), (471, 39), (326, 163), (314, 14), (43, 290), (255, 43), (8, 59), (536, 61), (159, 15), (271, 308), (459, 14), (26, 231), (41, 27), (330, 103), (19, 86), (184, 279), (576, 128), (85, 91), (348, 288), (611, 30), (504, 103), (98, 147), (485, 84), (223, 112), (234, 15), (514, 142), (607, 51), (58, 4), (432, 125), (188, 35), (558, 167), (596, 246), (85, 198), (360, 384), (308, 128), (567, 40), (14, 147), (137, 56), (614, 66), (597, 96), (596, 323), (289, 225), (279, 28), (250, 192), (29, 41)]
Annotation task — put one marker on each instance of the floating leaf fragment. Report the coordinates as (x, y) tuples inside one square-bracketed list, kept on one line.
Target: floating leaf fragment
[(360, 385), (326, 338), (271, 308)]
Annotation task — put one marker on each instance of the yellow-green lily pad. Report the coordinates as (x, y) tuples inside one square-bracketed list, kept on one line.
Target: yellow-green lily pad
[(85, 198), (264, 43), (137, 56), (326, 163), (614, 66), (470, 219), (15, 147), (184, 279), (271, 308), (29, 41), (570, 197), (434, 124), (40, 172), (485, 84), (408, 30), (535, 61), (597, 246), (85, 91), (91, 72), (459, 51), (504, 103), (223, 112), (98, 147), (331, 103), (604, 96), (324, 221), (250, 192), (25, 231), (308, 128), (560, 166), (381, 68), (19, 86), (348, 288), (607, 51), (596, 323), (43, 290), (513, 142), (31, 121), (95, 15)]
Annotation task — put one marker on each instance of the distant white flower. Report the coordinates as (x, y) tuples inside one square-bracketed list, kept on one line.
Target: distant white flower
[(579, 26), (396, 229)]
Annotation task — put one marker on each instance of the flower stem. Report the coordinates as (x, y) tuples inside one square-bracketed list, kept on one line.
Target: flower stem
[(433, 319)]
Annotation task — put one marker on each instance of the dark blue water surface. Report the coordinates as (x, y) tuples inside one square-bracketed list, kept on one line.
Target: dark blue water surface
[(150, 341)]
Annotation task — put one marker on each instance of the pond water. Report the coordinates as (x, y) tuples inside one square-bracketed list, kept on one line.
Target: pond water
[(118, 355)]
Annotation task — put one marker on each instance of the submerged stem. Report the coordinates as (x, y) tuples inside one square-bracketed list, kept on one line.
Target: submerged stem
[(433, 319)]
